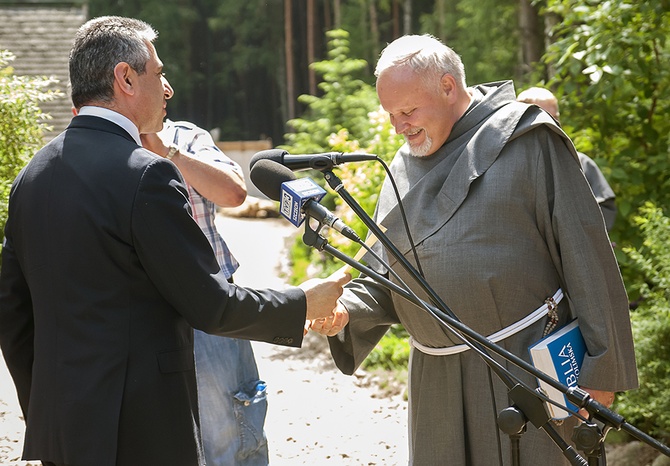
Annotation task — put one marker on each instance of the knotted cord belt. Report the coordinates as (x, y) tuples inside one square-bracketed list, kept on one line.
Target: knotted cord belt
[(549, 306)]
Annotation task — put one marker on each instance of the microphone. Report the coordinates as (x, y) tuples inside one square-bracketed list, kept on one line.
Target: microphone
[(295, 194), (297, 197), (324, 161)]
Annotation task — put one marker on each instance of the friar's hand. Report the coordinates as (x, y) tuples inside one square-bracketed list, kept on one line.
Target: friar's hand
[(604, 398), (322, 294), (331, 325)]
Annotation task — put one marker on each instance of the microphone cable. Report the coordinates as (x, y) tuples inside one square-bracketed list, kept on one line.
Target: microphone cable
[(404, 217)]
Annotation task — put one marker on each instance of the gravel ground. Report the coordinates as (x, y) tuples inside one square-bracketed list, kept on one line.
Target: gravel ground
[(316, 415)]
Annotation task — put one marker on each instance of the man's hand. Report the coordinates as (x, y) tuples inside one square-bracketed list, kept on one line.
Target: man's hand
[(322, 294), (154, 143), (331, 325)]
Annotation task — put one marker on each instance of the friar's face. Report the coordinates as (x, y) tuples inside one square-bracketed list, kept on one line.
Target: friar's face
[(423, 111)]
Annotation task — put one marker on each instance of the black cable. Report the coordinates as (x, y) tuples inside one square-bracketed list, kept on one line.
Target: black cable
[(402, 213), (495, 414)]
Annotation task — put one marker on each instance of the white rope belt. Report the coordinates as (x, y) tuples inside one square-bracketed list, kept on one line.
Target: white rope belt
[(508, 331)]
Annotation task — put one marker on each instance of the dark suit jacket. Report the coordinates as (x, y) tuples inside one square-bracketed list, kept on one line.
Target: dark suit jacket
[(104, 275)]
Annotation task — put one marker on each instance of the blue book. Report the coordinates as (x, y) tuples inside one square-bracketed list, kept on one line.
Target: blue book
[(560, 355)]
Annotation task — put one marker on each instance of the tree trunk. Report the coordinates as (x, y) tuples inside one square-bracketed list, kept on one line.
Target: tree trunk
[(288, 50), (531, 36), (327, 16), (337, 15), (396, 18), (311, 20), (441, 20), (374, 28), (407, 17)]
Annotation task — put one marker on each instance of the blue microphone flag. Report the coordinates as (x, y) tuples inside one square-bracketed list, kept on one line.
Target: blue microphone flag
[(294, 195)]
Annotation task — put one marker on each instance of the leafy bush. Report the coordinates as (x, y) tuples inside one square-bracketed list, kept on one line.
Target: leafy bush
[(345, 100), (346, 118), (21, 124), (612, 64), (648, 407), (613, 78), (392, 353)]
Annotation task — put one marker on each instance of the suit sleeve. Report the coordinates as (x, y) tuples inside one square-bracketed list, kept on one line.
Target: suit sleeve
[(16, 324), (180, 262)]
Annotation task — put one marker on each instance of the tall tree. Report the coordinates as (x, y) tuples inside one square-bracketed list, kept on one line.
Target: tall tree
[(311, 56), (374, 26), (487, 43), (288, 59), (233, 69), (531, 35), (407, 17), (337, 14)]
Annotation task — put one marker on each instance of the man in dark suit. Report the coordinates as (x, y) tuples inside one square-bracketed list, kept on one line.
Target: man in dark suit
[(105, 275)]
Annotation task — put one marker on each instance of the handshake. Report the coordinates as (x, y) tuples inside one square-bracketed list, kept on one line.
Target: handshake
[(325, 315)]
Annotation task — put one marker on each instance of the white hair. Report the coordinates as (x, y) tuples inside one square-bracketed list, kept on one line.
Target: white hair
[(425, 55)]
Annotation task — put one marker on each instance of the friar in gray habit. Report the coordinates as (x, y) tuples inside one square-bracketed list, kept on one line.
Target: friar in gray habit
[(502, 219)]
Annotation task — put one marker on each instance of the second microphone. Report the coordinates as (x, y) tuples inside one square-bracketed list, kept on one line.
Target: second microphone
[(297, 197)]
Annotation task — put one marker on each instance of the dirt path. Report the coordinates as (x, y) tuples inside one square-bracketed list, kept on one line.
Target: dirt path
[(316, 415)]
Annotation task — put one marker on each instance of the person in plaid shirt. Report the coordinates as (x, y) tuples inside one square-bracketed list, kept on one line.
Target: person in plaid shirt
[(232, 398)]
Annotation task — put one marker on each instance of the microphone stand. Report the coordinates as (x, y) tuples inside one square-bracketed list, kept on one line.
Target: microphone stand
[(588, 438)]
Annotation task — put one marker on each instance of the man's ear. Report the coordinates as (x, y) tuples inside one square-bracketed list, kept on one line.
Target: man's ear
[(124, 77), (448, 83)]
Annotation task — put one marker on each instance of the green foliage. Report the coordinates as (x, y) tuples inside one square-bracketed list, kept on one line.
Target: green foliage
[(392, 352), (612, 78), (612, 65), (336, 122), (345, 99), (223, 58), (226, 61), (345, 118), (648, 407), (21, 124), (487, 43)]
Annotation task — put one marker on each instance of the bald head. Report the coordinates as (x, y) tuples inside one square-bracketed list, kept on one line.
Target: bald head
[(421, 84), (541, 97), (423, 54)]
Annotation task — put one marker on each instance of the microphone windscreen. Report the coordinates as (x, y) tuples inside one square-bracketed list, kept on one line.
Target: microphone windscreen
[(268, 177), (276, 155)]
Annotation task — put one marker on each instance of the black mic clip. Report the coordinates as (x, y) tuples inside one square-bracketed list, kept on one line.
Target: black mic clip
[(312, 237)]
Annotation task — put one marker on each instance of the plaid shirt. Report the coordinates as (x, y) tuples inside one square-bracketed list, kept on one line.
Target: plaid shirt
[(199, 143)]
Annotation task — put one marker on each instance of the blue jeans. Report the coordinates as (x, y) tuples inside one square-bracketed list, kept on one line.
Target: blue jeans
[(232, 402)]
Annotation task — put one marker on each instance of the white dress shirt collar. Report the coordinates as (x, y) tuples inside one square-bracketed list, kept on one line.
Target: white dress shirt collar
[(114, 117)]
